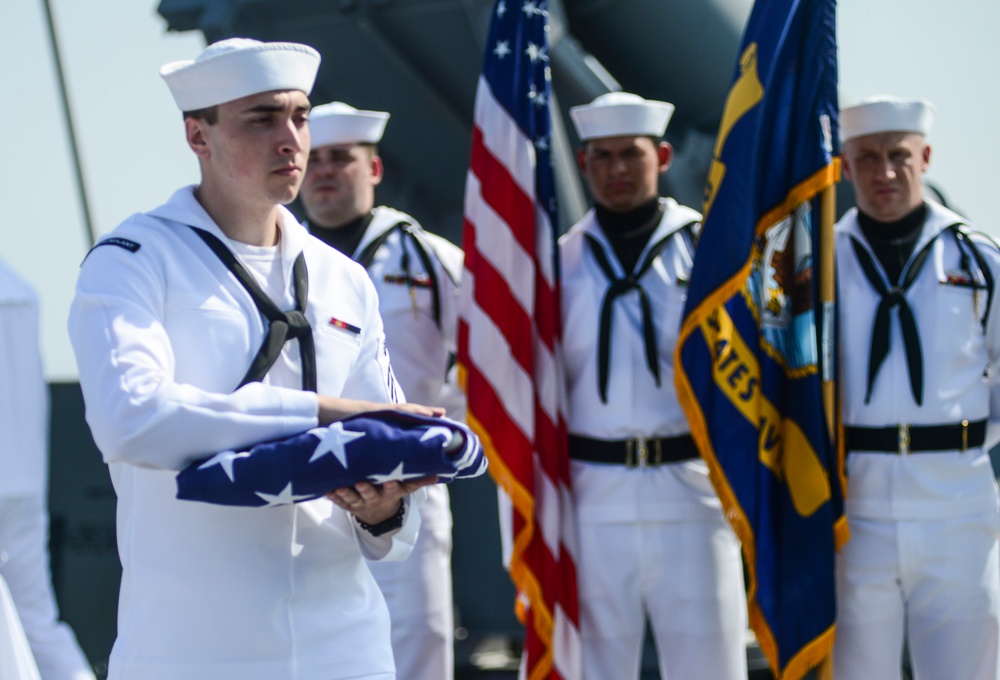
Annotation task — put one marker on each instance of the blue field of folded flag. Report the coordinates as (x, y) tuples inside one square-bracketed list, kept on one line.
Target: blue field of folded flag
[(376, 447)]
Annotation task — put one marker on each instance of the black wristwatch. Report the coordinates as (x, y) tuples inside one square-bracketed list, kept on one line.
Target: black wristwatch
[(386, 525)]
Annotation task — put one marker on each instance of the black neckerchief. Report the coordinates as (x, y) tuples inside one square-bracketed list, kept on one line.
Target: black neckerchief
[(893, 242), (616, 288), (281, 326), (629, 232), (344, 238)]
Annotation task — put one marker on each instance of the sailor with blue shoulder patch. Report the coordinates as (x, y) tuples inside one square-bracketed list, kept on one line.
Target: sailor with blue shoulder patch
[(214, 322), (125, 243)]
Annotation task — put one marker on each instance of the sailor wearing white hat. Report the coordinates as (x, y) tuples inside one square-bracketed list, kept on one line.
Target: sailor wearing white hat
[(416, 275), (919, 349), (216, 321), (239, 67), (886, 114), (653, 540)]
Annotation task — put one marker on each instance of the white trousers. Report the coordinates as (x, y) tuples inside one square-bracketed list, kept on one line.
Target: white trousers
[(418, 593), (686, 577), (934, 583), (24, 564)]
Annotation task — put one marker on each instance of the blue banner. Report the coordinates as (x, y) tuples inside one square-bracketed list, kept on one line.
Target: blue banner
[(754, 358)]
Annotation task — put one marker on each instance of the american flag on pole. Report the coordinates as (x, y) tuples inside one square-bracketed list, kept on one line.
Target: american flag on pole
[(508, 335)]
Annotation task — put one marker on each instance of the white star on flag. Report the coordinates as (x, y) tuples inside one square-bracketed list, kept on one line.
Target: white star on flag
[(224, 460), (502, 49), (286, 497), (501, 8), (333, 442), (529, 8), (537, 98), (397, 475), (533, 51)]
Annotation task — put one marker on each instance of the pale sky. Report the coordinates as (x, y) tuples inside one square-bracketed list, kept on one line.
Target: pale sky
[(134, 156)]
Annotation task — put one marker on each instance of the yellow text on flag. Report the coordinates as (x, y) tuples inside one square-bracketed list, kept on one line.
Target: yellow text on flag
[(782, 446)]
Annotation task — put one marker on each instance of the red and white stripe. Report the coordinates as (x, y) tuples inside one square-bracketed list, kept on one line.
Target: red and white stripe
[(509, 344)]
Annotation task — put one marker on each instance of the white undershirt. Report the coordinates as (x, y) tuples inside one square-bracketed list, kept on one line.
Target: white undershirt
[(265, 264)]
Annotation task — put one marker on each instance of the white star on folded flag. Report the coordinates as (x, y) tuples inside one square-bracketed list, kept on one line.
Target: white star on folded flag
[(397, 475), (225, 461), (286, 497), (333, 442)]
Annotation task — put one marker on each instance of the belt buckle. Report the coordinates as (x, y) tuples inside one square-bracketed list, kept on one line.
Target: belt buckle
[(636, 452), (904, 439)]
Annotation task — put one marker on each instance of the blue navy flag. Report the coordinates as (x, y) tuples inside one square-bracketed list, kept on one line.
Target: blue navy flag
[(754, 361), (376, 447)]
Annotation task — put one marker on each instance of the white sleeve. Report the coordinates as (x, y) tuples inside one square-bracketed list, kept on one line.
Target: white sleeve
[(136, 411), (989, 251), (449, 263), (372, 378), (24, 405)]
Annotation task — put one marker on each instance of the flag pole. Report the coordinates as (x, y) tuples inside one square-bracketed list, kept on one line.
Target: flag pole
[(827, 297), (74, 149)]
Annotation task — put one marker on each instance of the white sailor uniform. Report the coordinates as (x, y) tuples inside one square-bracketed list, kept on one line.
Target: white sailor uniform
[(652, 538), (162, 334), (416, 275), (921, 501)]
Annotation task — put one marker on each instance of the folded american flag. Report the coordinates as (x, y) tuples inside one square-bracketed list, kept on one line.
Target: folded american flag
[(376, 447)]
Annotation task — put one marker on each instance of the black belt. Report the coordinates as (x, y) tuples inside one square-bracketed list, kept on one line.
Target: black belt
[(634, 452), (904, 439)]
